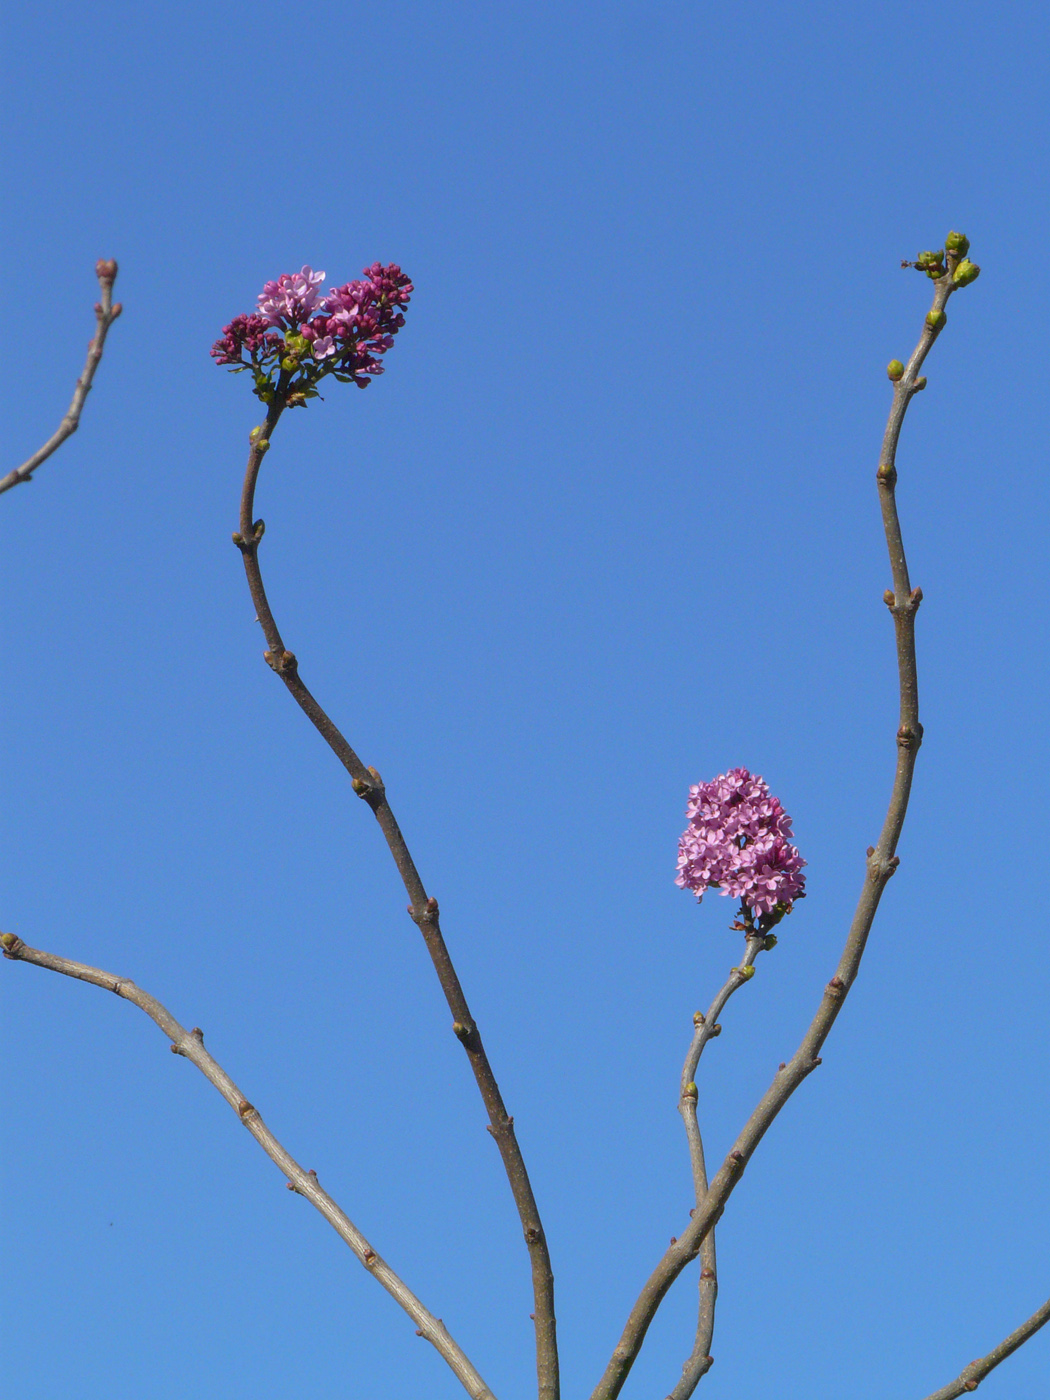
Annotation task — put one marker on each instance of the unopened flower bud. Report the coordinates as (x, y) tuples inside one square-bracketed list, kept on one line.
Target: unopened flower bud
[(966, 273), (290, 364), (106, 270), (957, 243), (895, 370)]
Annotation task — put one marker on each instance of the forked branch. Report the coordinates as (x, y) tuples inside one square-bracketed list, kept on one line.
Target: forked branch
[(305, 1183), (424, 910), (105, 314), (903, 602)]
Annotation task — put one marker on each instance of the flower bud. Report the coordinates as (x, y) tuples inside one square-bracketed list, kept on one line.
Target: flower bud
[(895, 370), (966, 273), (106, 270), (957, 243), (930, 258)]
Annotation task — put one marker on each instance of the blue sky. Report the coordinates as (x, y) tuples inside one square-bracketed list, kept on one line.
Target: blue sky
[(606, 527)]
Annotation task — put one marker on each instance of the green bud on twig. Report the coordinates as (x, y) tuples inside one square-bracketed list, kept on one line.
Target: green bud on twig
[(966, 273), (920, 383), (957, 243), (895, 370), (935, 319)]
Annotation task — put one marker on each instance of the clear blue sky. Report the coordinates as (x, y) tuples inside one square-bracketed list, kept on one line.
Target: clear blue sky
[(606, 527)]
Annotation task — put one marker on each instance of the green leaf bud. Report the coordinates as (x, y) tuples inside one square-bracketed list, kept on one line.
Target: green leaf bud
[(935, 319), (895, 370), (957, 243), (966, 273), (919, 384)]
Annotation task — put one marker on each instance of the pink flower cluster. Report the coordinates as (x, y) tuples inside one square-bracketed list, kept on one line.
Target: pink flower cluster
[(343, 333), (737, 842)]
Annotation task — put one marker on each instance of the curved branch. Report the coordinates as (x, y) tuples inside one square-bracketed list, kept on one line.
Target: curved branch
[(423, 909), (903, 603), (971, 1376), (105, 314), (304, 1183), (706, 1028)]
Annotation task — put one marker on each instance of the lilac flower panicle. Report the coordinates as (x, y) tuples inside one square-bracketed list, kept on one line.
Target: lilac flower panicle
[(298, 333), (737, 842)]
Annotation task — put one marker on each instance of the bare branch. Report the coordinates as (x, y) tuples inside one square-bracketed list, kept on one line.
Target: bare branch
[(971, 1376), (424, 911), (903, 603), (304, 1183), (706, 1028), (105, 314)]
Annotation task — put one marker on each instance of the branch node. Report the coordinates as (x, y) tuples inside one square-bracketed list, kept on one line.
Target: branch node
[(909, 736)]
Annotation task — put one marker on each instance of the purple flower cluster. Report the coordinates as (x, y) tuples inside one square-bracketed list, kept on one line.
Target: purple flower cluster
[(343, 333), (737, 842)]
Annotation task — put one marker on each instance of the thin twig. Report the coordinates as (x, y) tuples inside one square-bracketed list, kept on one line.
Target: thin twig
[(971, 1376), (903, 603), (191, 1045), (423, 909), (106, 312), (705, 1029)]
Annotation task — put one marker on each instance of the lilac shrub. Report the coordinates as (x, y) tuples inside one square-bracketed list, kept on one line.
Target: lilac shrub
[(737, 843), (297, 336)]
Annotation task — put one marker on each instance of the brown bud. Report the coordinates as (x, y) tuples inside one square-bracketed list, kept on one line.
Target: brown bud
[(889, 597), (106, 271), (244, 1108)]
